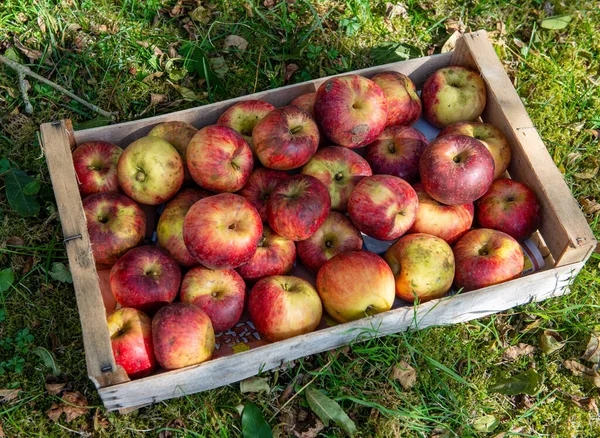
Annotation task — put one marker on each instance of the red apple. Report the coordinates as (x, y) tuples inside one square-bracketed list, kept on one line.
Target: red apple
[(355, 284), (306, 102), (220, 294), (179, 135), (95, 164), (260, 185), (110, 304), (150, 171), (340, 169), (222, 231), (383, 206), (169, 230), (298, 207), (397, 152), (131, 339), (336, 235), (219, 159), (404, 104), (351, 110), (511, 207), (286, 138), (485, 257), (284, 306), (275, 255), (453, 94), (423, 266), (243, 117), (456, 169), (183, 335), (145, 278), (448, 222), (115, 224), (490, 136)]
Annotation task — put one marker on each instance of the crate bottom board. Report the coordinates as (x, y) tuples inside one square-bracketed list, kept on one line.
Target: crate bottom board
[(230, 369)]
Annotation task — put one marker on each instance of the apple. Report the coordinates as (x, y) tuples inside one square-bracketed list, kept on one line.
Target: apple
[(335, 235), (243, 117), (95, 164), (511, 207), (275, 255), (355, 284), (219, 159), (150, 171), (284, 306), (145, 278), (340, 169), (169, 230), (423, 266), (131, 339), (286, 138), (115, 224), (220, 294), (306, 102), (179, 135), (110, 304), (453, 94), (260, 185), (298, 207), (182, 335), (404, 104), (397, 152), (222, 231), (485, 257), (351, 110), (456, 169), (383, 206), (490, 136)]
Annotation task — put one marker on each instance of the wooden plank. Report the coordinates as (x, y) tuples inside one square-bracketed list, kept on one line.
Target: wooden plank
[(56, 143), (564, 226), (450, 310)]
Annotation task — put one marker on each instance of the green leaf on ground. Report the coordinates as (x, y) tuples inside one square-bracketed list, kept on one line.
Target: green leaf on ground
[(254, 384), (486, 424), (329, 410), (556, 22), (254, 424), (93, 123), (550, 342), (32, 188), (524, 383), (60, 272), (394, 52), (15, 181), (48, 359), (7, 278), (4, 165)]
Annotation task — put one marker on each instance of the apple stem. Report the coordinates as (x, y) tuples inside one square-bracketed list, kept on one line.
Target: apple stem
[(339, 176), (140, 176)]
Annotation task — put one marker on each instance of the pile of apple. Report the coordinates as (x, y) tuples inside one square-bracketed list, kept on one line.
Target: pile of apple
[(261, 187)]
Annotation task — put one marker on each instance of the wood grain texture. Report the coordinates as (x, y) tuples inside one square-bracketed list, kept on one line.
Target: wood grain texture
[(450, 310), (564, 226)]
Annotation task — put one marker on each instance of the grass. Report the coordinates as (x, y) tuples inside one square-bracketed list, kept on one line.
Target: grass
[(104, 50)]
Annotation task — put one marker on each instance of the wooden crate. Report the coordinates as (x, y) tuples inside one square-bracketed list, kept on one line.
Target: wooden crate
[(564, 230)]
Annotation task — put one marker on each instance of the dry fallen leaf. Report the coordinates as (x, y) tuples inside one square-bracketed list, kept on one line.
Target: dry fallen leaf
[(176, 423), (585, 403), (2, 434), (501, 28), (590, 206), (516, 351), (580, 370), (455, 25), (178, 9), (395, 10), (100, 421), (235, 41), (200, 15), (269, 3), (41, 24), (173, 50), (592, 351), (450, 43), (152, 76), (405, 374), (33, 55), (248, 7), (15, 241), (290, 69), (311, 432), (74, 405), (7, 395), (590, 170), (595, 133), (54, 388), (550, 342)]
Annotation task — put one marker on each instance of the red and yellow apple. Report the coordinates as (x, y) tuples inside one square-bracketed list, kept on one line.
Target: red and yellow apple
[(306, 102), (179, 135), (275, 255), (260, 185), (243, 117), (404, 104), (95, 164)]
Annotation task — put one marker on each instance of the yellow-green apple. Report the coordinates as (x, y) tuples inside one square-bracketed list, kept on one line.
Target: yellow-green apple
[(306, 102), (115, 224), (340, 169), (490, 136), (243, 117), (145, 278), (298, 207), (131, 339), (95, 164), (283, 306), (396, 152), (336, 235), (511, 207), (182, 335), (351, 110), (275, 255), (150, 171), (456, 169), (219, 159), (423, 266), (453, 94), (179, 135), (355, 284), (169, 230), (286, 138), (221, 294), (260, 185), (383, 206), (404, 104), (485, 257), (222, 231)]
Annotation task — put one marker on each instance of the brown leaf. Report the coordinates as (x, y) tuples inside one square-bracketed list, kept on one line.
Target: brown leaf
[(73, 405), (595, 133), (592, 351), (176, 423), (395, 10), (54, 388), (15, 241), (572, 158), (520, 44), (455, 25), (523, 401), (8, 395), (190, 28), (516, 351), (235, 41), (450, 43), (405, 374), (248, 7), (590, 170), (173, 50), (290, 69), (100, 421), (41, 24), (156, 99), (311, 432), (33, 55), (501, 27), (269, 3), (585, 403), (2, 434), (200, 15), (580, 370), (178, 9), (133, 71), (152, 76)]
